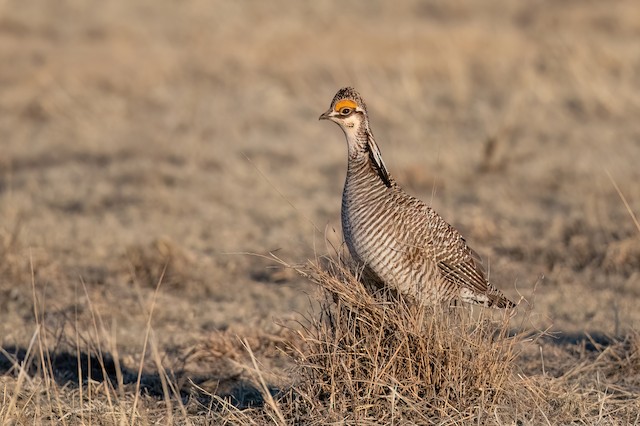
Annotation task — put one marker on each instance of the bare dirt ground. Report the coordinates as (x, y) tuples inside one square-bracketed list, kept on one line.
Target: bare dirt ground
[(135, 135)]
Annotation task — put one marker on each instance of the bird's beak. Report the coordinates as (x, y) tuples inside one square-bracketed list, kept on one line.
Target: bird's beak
[(326, 115)]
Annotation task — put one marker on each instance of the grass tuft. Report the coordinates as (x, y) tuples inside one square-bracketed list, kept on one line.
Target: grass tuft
[(376, 357)]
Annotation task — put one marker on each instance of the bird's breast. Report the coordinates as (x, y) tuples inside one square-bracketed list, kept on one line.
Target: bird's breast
[(369, 222)]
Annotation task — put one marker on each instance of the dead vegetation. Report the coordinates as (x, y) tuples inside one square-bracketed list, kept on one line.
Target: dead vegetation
[(362, 358), (378, 358), (146, 146)]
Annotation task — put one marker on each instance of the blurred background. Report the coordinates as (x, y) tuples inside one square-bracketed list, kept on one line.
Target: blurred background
[(139, 134)]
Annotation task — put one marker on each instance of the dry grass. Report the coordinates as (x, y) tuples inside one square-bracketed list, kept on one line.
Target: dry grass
[(362, 358), (381, 359), (374, 358), (148, 141)]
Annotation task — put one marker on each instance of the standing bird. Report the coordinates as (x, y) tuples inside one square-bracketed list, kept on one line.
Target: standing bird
[(401, 242)]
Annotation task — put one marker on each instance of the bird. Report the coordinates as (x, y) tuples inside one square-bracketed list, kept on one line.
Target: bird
[(398, 240)]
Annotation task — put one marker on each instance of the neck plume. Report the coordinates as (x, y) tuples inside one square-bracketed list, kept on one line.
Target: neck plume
[(362, 144), (375, 156)]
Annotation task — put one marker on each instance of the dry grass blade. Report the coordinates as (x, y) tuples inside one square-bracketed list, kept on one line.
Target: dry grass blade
[(144, 346), (263, 385), (22, 376), (624, 200)]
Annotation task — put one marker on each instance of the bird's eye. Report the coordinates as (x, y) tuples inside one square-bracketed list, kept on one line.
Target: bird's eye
[(345, 111)]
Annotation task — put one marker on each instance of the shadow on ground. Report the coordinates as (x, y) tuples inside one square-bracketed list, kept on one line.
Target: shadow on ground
[(69, 369), (592, 342)]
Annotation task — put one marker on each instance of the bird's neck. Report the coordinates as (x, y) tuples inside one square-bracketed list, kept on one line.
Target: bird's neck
[(364, 155)]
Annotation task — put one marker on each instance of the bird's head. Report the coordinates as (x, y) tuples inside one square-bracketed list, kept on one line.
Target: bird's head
[(350, 113), (347, 110)]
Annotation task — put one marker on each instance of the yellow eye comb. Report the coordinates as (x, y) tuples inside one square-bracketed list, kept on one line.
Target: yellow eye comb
[(345, 103)]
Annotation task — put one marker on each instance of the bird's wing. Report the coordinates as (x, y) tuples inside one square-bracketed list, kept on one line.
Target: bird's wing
[(457, 262)]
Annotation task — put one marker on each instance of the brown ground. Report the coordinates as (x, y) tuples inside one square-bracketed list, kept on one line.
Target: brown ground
[(139, 134)]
